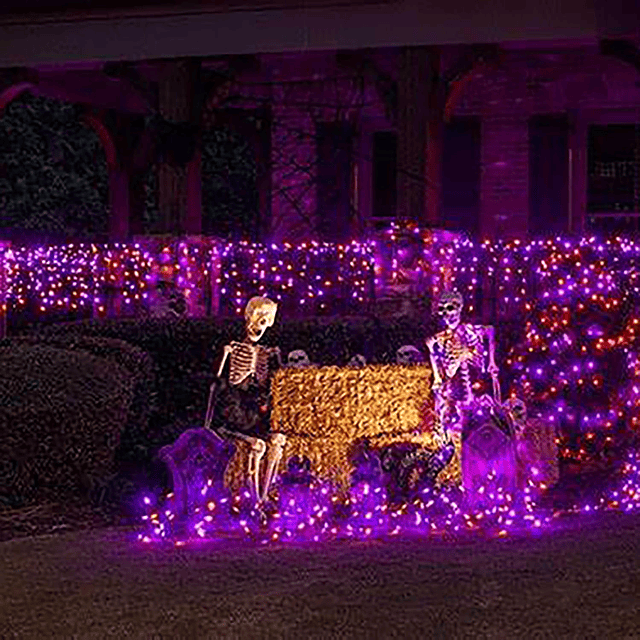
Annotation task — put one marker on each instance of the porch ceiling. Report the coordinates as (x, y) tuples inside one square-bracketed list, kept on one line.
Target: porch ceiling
[(48, 31)]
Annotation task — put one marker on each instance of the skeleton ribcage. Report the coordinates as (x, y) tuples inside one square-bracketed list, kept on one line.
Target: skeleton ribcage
[(462, 348), (247, 359)]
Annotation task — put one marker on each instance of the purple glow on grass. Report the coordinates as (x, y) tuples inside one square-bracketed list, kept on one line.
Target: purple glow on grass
[(313, 513), (557, 287)]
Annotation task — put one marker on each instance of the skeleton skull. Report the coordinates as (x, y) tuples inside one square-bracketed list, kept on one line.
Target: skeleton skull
[(357, 361), (259, 314), (408, 354), (517, 409), (450, 308), (298, 358)]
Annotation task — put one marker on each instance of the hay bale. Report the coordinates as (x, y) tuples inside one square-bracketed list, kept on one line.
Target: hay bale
[(325, 411)]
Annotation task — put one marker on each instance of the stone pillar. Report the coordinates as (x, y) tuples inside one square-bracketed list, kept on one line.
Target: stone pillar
[(175, 102), (118, 203), (413, 112), (504, 182), (435, 132)]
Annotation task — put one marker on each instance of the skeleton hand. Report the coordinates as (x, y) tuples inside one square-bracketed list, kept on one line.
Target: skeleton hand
[(275, 351)]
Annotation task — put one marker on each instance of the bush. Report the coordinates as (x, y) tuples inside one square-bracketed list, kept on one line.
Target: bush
[(186, 351), (61, 416), (140, 366), (181, 350)]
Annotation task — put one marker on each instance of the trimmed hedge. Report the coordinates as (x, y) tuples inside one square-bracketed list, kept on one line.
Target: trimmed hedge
[(138, 363), (61, 416), (186, 351)]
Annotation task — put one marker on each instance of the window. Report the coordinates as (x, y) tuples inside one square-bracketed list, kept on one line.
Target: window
[(548, 174), (385, 149), (461, 175), (613, 183), (334, 141)]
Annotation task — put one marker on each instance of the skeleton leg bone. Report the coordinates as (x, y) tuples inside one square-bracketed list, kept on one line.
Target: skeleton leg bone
[(258, 449), (213, 393), (274, 455)]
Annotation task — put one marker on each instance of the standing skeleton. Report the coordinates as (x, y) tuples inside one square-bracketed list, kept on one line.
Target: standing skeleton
[(238, 408), (453, 352)]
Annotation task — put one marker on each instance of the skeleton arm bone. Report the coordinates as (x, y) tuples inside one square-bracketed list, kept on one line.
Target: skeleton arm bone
[(225, 355), (275, 351), (213, 390), (437, 380), (490, 334), (213, 394)]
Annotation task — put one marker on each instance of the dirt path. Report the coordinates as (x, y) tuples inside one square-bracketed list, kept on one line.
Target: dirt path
[(99, 584)]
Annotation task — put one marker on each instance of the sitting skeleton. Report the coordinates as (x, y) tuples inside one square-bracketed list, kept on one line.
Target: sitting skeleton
[(453, 353), (239, 405)]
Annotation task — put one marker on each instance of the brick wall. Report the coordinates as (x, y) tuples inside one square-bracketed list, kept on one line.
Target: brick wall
[(525, 85), (504, 178), (307, 90), (504, 98)]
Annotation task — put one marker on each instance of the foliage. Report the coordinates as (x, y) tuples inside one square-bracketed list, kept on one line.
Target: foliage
[(185, 351), (53, 173), (61, 415), (137, 363), (229, 189)]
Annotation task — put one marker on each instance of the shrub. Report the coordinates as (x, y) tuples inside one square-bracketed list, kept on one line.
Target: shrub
[(186, 350), (61, 416)]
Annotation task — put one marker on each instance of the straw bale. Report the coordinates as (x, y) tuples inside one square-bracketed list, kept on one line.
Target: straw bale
[(325, 411)]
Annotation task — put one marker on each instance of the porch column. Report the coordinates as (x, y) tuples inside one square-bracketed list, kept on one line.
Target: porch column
[(412, 118), (179, 210), (434, 137), (118, 203)]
